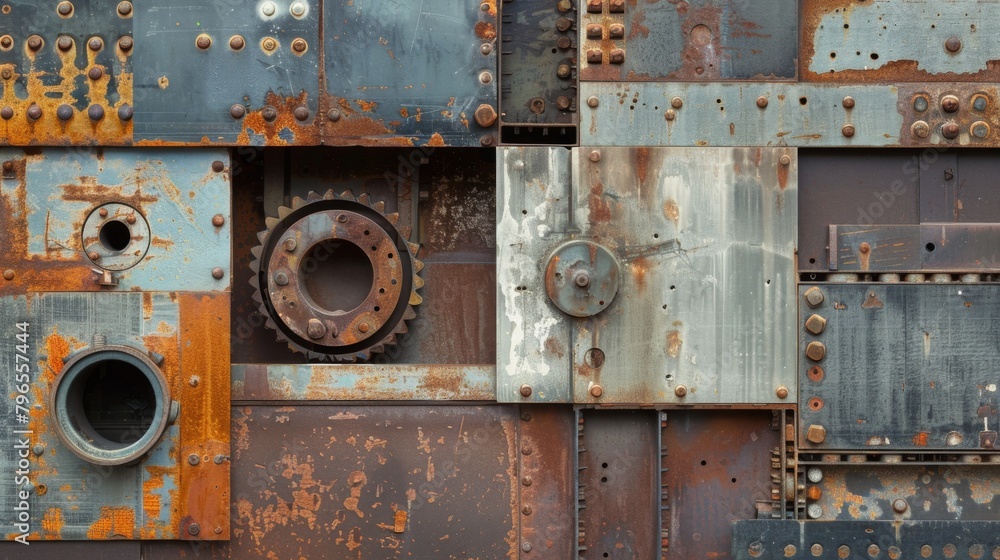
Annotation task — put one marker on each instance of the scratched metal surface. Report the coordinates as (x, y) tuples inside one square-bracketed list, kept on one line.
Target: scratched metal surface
[(696, 40), (158, 497), (701, 268), (404, 73), (183, 93), (860, 539), (906, 367), (50, 77), (885, 41), (49, 194)]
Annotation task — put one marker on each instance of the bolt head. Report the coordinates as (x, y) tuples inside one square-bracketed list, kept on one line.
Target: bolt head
[(525, 390), (814, 296), (194, 529), (596, 391), (950, 130), (785, 159), (815, 324), (299, 45), (269, 44), (236, 43), (193, 459), (485, 115), (920, 129), (781, 392), (125, 43), (899, 505), (595, 156), (681, 390), (218, 273), (316, 329), (816, 351), (848, 102), (290, 244), (581, 279), (953, 44), (816, 433), (218, 220)]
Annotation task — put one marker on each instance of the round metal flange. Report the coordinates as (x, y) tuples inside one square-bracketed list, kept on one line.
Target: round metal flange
[(581, 278), (117, 235), (335, 278), (111, 405)]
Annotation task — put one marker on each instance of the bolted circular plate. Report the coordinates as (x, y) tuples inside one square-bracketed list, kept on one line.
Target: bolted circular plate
[(335, 278), (118, 244), (581, 278)]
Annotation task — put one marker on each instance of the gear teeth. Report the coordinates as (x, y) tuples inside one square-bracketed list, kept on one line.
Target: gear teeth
[(418, 282), (413, 247), (256, 297), (284, 211), (257, 249), (379, 207), (409, 313), (271, 325), (271, 223), (313, 196), (393, 217), (417, 266), (365, 199), (405, 231), (348, 195), (378, 349)]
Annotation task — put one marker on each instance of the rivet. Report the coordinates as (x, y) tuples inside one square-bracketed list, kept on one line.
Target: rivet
[(595, 6), (95, 43), (6, 41), (979, 102), (342, 218), (125, 112), (785, 159), (267, 9), (595, 56), (6, 74), (8, 166), (64, 112), (595, 31), (218, 273), (194, 529), (950, 130), (950, 103), (281, 279), (526, 547), (94, 256), (124, 8), (38, 449), (64, 8), (269, 113), (486, 48), (34, 112), (333, 115), (290, 244), (301, 113), (762, 102), (526, 510), (364, 327), (218, 530), (616, 56), (814, 511), (596, 391), (485, 77), (237, 111), (562, 102), (193, 459), (526, 481), (194, 381), (815, 324), (269, 44), (125, 43), (236, 42), (899, 505), (299, 45), (595, 156), (95, 73), (8, 274), (920, 104), (593, 102), (64, 43), (7, 113), (34, 42), (920, 129), (203, 41), (525, 390), (103, 212), (616, 31), (526, 451), (676, 102), (563, 71), (298, 9), (564, 42), (218, 220), (953, 44), (486, 140), (670, 114), (781, 392), (980, 129), (316, 328), (681, 390), (848, 130), (848, 102)]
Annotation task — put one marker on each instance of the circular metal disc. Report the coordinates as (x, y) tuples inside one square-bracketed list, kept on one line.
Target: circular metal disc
[(581, 278)]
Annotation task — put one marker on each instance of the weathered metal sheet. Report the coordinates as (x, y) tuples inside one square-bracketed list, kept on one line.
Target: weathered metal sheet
[(924, 248), (720, 114), (619, 457), (179, 489), (61, 550), (716, 466), (898, 367), (538, 72), (546, 443), (404, 73), (688, 40), (65, 79), (348, 382), (375, 482), (906, 493), (682, 250), (227, 73), (165, 205), (860, 539), (886, 41)]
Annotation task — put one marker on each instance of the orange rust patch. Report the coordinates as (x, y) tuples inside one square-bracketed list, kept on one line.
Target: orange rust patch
[(921, 439), (57, 348), (640, 266), (114, 522), (600, 208), (782, 176), (672, 211), (553, 347), (486, 30), (403, 112), (674, 343), (52, 523), (356, 481), (366, 106), (436, 140)]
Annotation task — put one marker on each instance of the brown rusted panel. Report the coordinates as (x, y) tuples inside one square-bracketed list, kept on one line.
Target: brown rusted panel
[(62, 550), (328, 481), (619, 484), (970, 110), (546, 458), (718, 466)]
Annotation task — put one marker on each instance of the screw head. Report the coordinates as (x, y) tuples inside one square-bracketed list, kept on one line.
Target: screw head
[(525, 390), (920, 129), (316, 329), (595, 156), (785, 159), (301, 113), (95, 43), (333, 115), (299, 45), (8, 274), (953, 44), (781, 392), (218, 273), (848, 102), (34, 42), (125, 43), (124, 8), (218, 220), (194, 529), (269, 44), (597, 391), (193, 459), (237, 111), (125, 112), (848, 130), (236, 42), (681, 390), (64, 112), (95, 73), (582, 279), (203, 41), (64, 43)]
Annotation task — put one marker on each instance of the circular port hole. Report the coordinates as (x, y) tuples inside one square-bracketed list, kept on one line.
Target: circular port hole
[(111, 406), (337, 275), (114, 235)]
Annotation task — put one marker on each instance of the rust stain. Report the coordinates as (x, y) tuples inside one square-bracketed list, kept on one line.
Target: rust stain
[(674, 343), (403, 112), (486, 31), (921, 439), (671, 210), (399, 521), (436, 140), (782, 176), (114, 522), (52, 523), (640, 267), (356, 129), (553, 347), (600, 208), (355, 481)]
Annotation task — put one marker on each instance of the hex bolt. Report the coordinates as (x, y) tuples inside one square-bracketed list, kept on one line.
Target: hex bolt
[(785, 159), (899, 505), (316, 329), (267, 9), (218, 273), (762, 102), (125, 112), (281, 279), (95, 73), (950, 130), (64, 43), (95, 43), (333, 115), (485, 115), (781, 392), (203, 41), (616, 56), (7, 113), (595, 156), (237, 111), (815, 324), (847, 130), (290, 244), (950, 103), (953, 44), (124, 8), (681, 390), (301, 113), (596, 391), (299, 45), (848, 102), (64, 112), (194, 529), (218, 220), (125, 43), (298, 9), (8, 275), (193, 459), (595, 31), (816, 351), (920, 129), (237, 43), (616, 31), (34, 112), (816, 433), (34, 42), (526, 390), (593, 102), (814, 297), (64, 8)]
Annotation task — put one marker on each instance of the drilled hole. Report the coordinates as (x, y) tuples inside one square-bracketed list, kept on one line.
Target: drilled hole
[(930, 247), (114, 235)]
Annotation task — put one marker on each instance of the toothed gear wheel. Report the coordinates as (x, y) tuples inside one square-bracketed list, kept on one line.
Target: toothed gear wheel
[(334, 276)]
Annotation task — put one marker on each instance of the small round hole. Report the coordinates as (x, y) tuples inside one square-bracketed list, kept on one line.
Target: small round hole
[(672, 288), (733, 480), (114, 235), (803, 101), (393, 282), (525, 212), (656, 236), (930, 247), (381, 290), (874, 56), (604, 465), (812, 261), (367, 232), (390, 255), (703, 463), (604, 479), (374, 248), (377, 309)]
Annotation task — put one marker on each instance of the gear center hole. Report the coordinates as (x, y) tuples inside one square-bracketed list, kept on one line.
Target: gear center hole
[(337, 275), (114, 235)]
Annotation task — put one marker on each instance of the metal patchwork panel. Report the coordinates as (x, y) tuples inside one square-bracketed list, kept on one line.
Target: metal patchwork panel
[(648, 275), (88, 220), (227, 72), (898, 367), (689, 40), (404, 73)]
